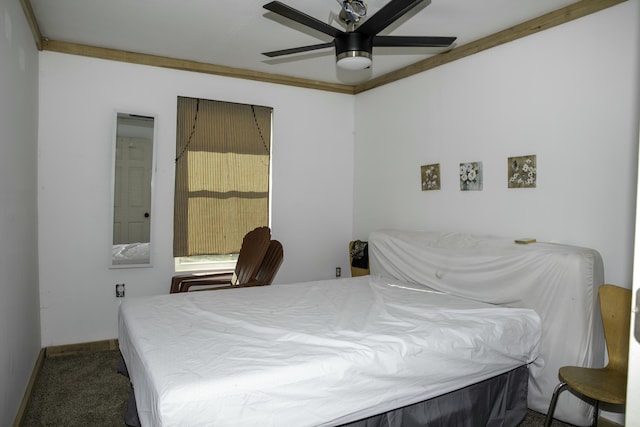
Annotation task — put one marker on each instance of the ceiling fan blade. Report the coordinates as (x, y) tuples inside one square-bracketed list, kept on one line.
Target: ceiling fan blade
[(298, 49), (413, 41), (386, 16), (301, 18)]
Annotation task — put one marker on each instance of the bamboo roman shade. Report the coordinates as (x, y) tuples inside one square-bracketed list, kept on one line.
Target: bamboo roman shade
[(222, 175)]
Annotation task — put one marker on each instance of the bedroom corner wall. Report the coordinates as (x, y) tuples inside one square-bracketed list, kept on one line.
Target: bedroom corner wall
[(569, 95), (19, 305), (312, 174)]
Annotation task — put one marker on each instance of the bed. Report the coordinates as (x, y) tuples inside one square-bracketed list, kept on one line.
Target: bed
[(316, 353), (358, 351)]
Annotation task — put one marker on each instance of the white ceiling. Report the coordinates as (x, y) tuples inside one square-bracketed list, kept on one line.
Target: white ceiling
[(234, 33)]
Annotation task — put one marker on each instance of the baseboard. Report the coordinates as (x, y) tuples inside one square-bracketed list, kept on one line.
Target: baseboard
[(17, 422), (81, 348)]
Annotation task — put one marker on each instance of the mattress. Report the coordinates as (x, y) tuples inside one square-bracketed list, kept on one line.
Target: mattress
[(315, 353), (558, 281)]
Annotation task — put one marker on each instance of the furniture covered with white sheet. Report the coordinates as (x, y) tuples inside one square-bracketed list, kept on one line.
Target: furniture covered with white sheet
[(316, 353), (559, 282)]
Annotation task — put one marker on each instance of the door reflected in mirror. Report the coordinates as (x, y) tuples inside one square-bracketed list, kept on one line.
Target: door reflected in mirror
[(132, 191)]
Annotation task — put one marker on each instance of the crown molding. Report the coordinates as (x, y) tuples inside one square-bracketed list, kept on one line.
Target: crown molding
[(33, 22), (558, 17), (527, 28), (185, 65)]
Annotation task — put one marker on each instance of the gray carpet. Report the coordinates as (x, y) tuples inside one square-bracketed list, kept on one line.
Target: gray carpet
[(83, 390), (86, 391)]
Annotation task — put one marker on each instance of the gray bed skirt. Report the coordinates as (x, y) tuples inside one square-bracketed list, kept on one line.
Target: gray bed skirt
[(500, 401)]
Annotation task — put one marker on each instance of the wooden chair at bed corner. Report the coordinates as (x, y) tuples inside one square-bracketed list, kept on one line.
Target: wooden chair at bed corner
[(253, 250), (608, 384)]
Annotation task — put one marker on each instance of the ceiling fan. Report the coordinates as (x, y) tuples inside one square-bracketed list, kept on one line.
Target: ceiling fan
[(354, 46)]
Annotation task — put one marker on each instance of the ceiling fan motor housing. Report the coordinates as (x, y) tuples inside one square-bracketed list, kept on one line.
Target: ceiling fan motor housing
[(353, 42)]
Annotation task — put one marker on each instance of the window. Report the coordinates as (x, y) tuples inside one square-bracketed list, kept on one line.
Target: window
[(222, 178)]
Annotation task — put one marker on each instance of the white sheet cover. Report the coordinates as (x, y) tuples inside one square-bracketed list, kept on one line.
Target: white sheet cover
[(316, 353), (559, 282)]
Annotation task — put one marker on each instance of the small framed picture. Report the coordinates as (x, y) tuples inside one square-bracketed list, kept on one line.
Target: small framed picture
[(523, 172), (471, 176), (430, 177)]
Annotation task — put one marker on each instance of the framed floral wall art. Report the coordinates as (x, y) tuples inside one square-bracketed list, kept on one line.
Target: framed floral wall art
[(523, 172), (430, 177), (471, 176)]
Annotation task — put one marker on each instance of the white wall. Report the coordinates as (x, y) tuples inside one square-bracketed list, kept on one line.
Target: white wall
[(312, 182), (568, 95), (19, 307)]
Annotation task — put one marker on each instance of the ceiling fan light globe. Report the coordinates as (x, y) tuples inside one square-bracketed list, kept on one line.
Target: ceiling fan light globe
[(354, 60)]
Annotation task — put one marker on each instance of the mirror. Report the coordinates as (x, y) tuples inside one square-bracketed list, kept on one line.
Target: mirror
[(132, 190)]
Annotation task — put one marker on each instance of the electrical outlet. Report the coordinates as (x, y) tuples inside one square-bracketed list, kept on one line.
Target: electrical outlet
[(338, 272), (119, 290)]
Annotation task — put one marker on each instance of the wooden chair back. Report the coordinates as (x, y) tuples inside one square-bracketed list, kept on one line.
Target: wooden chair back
[(254, 247), (615, 307), (270, 263)]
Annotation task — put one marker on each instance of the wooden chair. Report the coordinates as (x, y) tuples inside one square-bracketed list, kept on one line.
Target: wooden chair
[(267, 271), (608, 384), (254, 247)]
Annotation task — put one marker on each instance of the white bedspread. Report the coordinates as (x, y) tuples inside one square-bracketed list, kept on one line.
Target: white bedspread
[(316, 353)]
